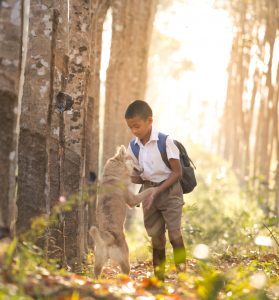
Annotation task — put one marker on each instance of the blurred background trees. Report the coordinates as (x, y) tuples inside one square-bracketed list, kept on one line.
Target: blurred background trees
[(249, 130), (214, 64)]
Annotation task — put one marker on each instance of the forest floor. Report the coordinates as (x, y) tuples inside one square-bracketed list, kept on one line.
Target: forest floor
[(239, 261), (200, 281)]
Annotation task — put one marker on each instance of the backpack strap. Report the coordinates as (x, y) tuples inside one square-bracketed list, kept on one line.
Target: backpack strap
[(161, 146), (135, 148), (162, 138)]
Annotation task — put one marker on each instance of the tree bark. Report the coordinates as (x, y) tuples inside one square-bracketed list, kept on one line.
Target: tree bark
[(79, 44), (32, 192), (55, 130), (92, 143), (10, 62)]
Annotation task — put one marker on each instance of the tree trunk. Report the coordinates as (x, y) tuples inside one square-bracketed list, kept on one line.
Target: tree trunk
[(92, 143), (33, 160), (276, 141), (79, 44), (126, 75), (10, 62), (55, 131), (267, 136)]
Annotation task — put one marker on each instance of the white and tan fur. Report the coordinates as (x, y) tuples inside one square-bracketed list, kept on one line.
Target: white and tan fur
[(113, 197)]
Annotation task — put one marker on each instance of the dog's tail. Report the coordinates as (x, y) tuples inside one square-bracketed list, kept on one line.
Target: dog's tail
[(106, 238)]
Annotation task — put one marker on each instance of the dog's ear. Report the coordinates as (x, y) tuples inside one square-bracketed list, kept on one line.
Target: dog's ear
[(121, 151)]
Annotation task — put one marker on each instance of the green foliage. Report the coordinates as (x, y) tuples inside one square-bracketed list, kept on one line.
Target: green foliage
[(219, 213), (246, 282), (10, 253), (210, 282)]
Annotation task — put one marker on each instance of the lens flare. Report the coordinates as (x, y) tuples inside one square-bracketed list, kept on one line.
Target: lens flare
[(201, 251), (258, 280), (263, 241)]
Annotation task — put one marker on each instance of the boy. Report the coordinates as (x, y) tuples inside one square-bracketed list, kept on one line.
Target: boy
[(164, 207)]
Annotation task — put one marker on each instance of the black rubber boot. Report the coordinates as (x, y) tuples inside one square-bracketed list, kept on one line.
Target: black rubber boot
[(179, 254), (159, 262)]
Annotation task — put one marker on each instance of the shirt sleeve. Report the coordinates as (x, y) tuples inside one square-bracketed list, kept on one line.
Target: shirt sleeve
[(172, 150)]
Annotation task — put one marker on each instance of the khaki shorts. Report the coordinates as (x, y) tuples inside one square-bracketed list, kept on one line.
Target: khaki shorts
[(165, 211)]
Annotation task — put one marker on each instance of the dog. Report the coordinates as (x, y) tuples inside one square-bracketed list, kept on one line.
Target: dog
[(113, 198)]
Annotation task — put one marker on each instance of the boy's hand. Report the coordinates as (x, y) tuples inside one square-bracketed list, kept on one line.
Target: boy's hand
[(147, 202)]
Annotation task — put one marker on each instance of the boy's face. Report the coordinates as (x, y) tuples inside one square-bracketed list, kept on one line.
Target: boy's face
[(140, 127)]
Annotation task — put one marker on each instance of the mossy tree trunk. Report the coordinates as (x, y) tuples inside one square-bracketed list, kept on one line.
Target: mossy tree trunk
[(32, 155), (10, 63)]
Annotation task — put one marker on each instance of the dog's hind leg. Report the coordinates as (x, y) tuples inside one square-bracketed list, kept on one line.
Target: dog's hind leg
[(124, 261), (125, 266), (101, 252), (100, 259), (120, 254)]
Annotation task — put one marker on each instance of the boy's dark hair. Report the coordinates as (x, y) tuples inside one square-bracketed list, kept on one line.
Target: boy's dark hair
[(138, 108)]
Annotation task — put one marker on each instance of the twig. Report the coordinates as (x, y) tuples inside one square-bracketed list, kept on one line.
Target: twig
[(272, 235)]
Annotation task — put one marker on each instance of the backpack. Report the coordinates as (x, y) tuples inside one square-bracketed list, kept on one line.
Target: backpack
[(188, 180)]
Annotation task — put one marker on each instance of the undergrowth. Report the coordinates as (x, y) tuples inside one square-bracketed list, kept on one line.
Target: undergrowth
[(232, 244)]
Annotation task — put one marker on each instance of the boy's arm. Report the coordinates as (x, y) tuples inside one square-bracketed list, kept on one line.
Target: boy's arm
[(175, 175), (175, 166)]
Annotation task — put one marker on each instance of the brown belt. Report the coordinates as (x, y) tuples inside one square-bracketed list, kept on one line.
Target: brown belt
[(148, 183)]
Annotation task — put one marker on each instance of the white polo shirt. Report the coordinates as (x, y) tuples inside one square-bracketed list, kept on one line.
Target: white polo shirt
[(150, 161)]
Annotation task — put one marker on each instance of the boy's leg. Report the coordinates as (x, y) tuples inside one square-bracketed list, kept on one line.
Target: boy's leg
[(155, 226), (159, 255), (179, 253), (172, 213)]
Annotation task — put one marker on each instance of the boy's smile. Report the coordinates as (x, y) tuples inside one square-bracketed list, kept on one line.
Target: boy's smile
[(141, 128)]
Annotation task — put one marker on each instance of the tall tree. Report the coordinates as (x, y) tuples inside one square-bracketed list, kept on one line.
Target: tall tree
[(33, 160), (92, 143), (79, 45), (126, 74), (10, 62)]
